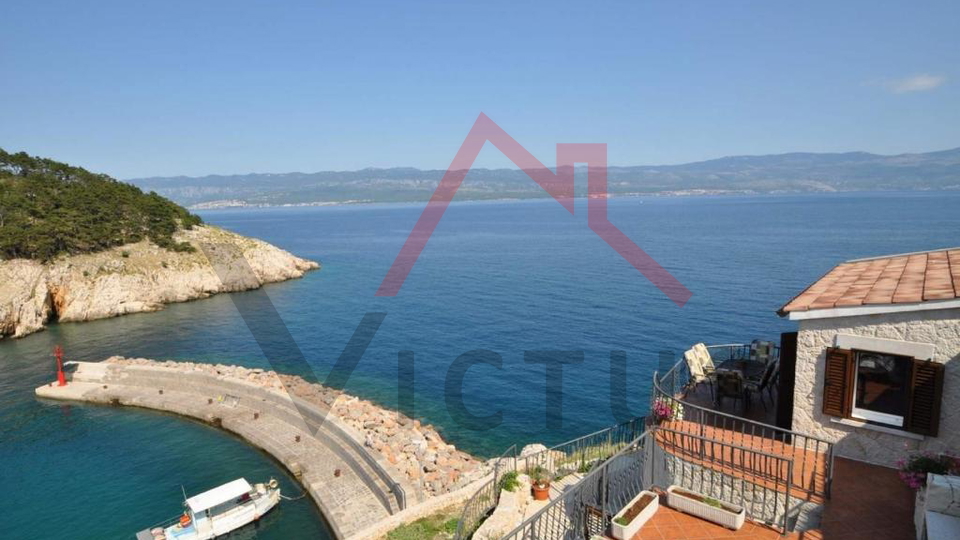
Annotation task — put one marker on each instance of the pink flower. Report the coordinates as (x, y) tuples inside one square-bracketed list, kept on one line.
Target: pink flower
[(914, 469), (662, 410)]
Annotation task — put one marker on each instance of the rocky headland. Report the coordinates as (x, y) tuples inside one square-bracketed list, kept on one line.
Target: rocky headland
[(136, 278)]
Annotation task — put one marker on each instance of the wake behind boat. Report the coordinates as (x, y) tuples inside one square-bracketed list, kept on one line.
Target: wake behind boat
[(218, 511)]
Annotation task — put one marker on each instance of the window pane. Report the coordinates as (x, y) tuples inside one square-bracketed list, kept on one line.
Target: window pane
[(882, 383)]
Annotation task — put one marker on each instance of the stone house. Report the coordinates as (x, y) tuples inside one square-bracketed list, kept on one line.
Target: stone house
[(877, 356)]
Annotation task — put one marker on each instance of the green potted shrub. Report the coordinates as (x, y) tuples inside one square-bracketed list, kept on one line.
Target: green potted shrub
[(540, 480)]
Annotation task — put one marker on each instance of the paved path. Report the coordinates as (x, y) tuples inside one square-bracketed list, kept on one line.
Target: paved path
[(354, 488)]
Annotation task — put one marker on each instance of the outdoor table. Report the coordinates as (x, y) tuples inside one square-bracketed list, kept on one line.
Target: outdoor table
[(750, 369)]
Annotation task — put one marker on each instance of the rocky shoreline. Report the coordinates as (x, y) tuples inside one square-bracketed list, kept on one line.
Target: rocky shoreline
[(137, 278), (413, 449)]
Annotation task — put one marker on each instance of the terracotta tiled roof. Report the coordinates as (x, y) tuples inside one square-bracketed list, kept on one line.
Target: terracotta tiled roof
[(896, 279)]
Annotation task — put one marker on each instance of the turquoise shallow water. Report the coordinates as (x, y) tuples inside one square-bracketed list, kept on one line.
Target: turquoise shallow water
[(506, 277)]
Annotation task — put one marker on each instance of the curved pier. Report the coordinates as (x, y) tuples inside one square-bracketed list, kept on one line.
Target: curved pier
[(355, 488)]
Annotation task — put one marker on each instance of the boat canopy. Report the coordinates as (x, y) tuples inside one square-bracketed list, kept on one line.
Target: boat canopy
[(219, 495)]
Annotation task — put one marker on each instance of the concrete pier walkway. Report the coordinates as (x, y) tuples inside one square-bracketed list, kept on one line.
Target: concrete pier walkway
[(354, 487)]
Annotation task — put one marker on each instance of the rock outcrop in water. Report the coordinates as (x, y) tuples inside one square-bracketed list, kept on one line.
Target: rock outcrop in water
[(136, 278)]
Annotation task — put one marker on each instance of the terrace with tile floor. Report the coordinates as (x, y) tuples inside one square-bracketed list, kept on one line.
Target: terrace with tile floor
[(830, 498), (860, 501), (720, 453), (869, 502), (750, 426)]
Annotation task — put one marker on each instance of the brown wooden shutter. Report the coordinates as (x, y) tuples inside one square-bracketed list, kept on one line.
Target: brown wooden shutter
[(926, 391), (838, 382)]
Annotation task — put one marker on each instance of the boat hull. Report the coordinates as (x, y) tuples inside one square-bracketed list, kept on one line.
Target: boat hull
[(211, 526)]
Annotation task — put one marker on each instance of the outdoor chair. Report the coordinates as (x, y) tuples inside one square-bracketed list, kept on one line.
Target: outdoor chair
[(706, 361), (729, 384), (774, 385), (762, 351), (758, 386), (697, 375)]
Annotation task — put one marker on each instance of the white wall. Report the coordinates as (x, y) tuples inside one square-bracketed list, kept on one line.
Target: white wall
[(940, 328)]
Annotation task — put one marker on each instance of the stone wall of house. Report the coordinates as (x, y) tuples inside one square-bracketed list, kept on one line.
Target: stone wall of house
[(940, 328)]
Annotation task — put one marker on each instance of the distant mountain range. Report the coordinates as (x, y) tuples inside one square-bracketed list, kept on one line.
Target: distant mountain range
[(795, 172)]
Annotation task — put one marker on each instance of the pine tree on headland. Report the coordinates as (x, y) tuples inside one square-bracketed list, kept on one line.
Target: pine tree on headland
[(48, 208)]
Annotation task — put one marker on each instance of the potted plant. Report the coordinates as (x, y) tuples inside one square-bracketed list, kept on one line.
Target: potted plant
[(722, 513), (634, 515), (914, 469), (540, 481), (664, 410)]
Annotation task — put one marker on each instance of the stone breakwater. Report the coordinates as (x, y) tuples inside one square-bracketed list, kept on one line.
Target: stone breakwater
[(312, 431), (136, 278), (415, 450)]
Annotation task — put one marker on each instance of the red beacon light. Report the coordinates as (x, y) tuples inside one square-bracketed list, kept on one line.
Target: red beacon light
[(61, 378)]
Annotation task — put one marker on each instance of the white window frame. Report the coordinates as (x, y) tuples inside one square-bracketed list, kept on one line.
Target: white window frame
[(913, 349), (866, 414)]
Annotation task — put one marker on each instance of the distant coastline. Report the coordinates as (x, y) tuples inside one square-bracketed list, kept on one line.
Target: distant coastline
[(796, 172), (240, 205)]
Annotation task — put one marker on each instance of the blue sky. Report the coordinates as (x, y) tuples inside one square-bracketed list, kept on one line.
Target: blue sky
[(177, 87)]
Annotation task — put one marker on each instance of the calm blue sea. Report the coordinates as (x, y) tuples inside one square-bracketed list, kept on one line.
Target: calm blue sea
[(507, 277)]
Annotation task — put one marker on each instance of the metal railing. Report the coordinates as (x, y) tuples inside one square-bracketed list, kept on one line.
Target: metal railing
[(581, 455), (486, 498), (578, 456), (585, 509), (317, 419), (760, 482), (810, 453), (755, 480), (736, 351)]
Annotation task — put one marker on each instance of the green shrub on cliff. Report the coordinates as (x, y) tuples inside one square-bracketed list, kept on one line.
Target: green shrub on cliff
[(439, 526), (48, 208), (509, 481)]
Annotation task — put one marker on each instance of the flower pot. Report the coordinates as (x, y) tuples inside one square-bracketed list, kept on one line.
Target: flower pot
[(541, 492), (630, 529), (727, 515)]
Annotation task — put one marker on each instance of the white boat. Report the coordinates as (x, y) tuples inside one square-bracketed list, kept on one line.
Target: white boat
[(218, 511)]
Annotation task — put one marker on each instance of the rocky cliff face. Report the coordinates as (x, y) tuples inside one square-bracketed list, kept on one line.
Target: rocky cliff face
[(137, 277)]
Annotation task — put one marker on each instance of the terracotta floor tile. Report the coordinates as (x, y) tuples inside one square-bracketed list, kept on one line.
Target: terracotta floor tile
[(837, 527), (868, 503), (663, 518), (720, 531), (686, 519), (697, 531), (672, 532), (648, 534), (860, 535)]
